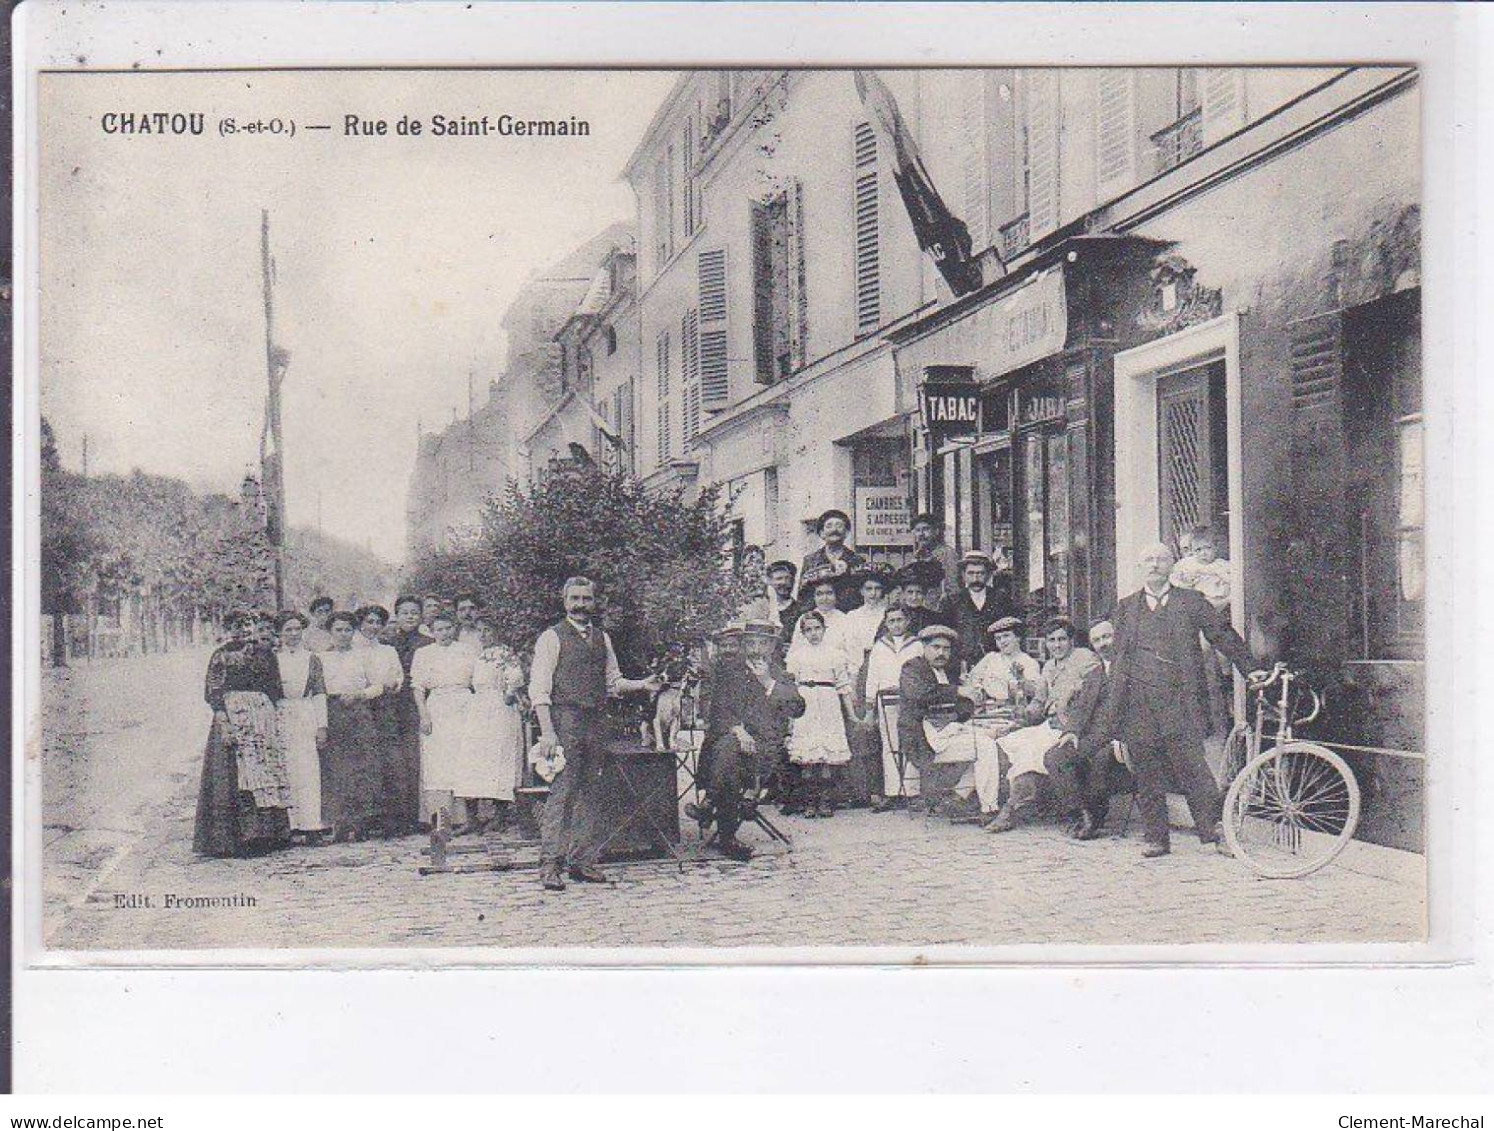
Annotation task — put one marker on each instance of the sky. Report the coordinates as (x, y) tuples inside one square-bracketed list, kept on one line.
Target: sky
[(396, 257)]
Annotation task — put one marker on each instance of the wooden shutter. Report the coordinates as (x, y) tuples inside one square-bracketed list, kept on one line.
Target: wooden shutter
[(760, 221), (711, 275), (868, 249), (1043, 114), (1319, 617), (661, 363), (1223, 98), (626, 426), (1115, 131), (798, 298), (976, 163), (687, 175), (715, 390), (690, 363)]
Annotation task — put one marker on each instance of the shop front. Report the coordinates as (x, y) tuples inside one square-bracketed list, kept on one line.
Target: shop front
[(1027, 479)]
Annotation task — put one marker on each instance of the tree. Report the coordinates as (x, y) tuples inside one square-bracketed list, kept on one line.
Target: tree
[(661, 563)]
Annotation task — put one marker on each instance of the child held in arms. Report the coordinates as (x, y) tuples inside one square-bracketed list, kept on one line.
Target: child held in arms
[(1202, 568)]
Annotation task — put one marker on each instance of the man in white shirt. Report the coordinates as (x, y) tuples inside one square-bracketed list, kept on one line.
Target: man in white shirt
[(574, 672)]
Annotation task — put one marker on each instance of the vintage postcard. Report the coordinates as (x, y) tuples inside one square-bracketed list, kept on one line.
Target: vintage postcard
[(836, 511)]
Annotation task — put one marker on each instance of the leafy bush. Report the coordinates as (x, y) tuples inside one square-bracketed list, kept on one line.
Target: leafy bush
[(661, 562)]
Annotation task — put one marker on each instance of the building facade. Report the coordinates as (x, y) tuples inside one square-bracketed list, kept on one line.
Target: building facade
[(773, 255), (1207, 314), (458, 468)]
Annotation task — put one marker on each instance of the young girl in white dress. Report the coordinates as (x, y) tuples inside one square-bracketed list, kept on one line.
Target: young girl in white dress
[(492, 751), (441, 676), (817, 741)]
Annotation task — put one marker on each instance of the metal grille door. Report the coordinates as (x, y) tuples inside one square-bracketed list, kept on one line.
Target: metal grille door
[(1185, 472)]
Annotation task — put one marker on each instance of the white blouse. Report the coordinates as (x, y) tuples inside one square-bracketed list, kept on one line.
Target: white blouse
[(442, 665), (348, 673)]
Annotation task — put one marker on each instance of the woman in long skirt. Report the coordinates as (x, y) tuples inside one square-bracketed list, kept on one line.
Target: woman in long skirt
[(441, 675), (350, 766), (385, 666), (817, 740), (244, 797), (303, 724), (492, 751)]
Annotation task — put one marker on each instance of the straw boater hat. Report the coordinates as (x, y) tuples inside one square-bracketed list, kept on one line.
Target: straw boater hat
[(976, 557)]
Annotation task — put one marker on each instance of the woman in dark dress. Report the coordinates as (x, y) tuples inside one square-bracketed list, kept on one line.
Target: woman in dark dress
[(244, 801), (350, 761)]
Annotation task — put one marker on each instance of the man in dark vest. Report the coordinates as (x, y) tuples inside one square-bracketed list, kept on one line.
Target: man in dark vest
[(752, 701), (976, 607), (574, 671), (1157, 698)]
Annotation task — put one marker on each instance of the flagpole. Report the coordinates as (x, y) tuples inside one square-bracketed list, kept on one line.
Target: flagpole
[(274, 483)]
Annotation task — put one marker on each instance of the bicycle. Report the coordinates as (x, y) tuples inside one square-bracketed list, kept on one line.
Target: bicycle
[(1293, 807)]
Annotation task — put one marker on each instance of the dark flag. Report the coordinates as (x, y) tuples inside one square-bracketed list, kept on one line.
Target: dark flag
[(940, 232)]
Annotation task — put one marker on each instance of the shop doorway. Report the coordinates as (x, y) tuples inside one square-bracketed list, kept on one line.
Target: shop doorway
[(1178, 447)]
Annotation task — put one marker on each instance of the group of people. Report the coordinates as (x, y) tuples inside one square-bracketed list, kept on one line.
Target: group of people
[(336, 725), (342, 724), (983, 732)]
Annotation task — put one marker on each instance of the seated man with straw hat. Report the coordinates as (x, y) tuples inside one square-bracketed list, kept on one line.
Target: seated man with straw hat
[(751, 703)]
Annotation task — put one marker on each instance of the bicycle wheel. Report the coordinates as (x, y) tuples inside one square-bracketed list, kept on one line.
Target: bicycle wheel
[(1236, 754), (1291, 810)]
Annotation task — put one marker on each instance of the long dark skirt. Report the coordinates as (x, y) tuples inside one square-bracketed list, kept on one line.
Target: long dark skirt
[(228, 822), (350, 764), (397, 724)]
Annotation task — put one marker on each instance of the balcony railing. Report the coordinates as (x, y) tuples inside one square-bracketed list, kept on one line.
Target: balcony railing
[(1174, 144), (1015, 236)]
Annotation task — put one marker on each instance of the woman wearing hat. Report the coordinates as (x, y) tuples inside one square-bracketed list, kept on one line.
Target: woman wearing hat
[(244, 800)]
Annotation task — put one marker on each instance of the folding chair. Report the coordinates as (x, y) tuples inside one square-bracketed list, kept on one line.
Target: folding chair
[(907, 773)]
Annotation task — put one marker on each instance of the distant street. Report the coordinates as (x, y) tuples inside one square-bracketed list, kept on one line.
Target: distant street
[(121, 779)]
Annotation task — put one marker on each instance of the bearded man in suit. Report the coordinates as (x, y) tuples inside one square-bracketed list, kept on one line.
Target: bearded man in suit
[(1157, 700)]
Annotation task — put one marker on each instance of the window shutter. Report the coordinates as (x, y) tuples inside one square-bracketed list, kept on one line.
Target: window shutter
[(1042, 152), (626, 427), (661, 215), (976, 170), (1319, 588), (715, 390), (868, 266), (760, 221), (1223, 102), (1115, 131), (690, 361), (687, 175), (661, 361), (711, 270), (798, 296)]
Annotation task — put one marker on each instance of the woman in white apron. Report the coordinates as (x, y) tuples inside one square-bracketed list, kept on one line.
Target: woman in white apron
[(492, 751), (303, 725), (441, 675)]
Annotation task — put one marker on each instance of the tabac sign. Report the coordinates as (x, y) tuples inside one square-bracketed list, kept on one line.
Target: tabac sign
[(949, 399)]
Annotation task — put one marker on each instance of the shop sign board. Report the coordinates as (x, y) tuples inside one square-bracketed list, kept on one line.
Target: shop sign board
[(949, 399), (883, 517)]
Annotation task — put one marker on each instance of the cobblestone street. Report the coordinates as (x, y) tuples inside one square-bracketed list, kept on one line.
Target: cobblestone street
[(857, 880)]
